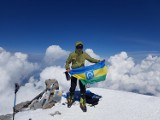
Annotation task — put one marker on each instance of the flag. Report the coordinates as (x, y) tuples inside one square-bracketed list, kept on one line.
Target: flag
[(91, 74)]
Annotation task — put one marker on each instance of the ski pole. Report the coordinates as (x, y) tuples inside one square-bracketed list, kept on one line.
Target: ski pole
[(15, 92)]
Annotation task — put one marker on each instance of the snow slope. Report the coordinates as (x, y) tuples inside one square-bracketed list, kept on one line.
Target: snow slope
[(115, 105)]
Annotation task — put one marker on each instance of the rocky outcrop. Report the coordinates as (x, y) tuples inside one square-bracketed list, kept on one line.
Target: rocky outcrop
[(6, 117)]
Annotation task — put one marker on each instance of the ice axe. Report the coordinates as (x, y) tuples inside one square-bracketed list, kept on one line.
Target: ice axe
[(68, 77), (15, 92)]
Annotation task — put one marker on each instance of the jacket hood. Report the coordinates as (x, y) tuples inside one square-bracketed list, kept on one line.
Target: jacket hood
[(78, 43)]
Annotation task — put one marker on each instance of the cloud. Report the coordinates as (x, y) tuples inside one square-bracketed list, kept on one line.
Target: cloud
[(29, 91), (125, 74), (55, 72), (13, 68), (92, 54), (55, 55)]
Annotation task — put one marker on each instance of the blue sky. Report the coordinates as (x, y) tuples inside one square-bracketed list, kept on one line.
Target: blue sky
[(106, 26)]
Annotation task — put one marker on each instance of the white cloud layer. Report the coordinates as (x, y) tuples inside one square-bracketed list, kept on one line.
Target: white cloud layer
[(55, 72), (124, 74), (13, 68), (55, 55), (92, 54)]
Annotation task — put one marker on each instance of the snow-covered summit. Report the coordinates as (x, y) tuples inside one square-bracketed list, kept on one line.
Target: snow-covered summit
[(115, 105)]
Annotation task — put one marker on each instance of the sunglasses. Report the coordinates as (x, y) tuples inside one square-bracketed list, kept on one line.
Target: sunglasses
[(79, 47)]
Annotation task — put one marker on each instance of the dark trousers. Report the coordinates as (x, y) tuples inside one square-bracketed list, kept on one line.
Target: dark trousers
[(74, 84)]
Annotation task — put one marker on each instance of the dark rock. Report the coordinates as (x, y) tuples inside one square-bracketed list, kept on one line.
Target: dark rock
[(6, 117)]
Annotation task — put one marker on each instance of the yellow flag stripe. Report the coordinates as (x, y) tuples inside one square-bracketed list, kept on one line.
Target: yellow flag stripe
[(100, 72), (80, 76)]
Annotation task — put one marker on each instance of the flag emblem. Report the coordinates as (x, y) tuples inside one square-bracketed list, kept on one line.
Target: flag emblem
[(89, 75)]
